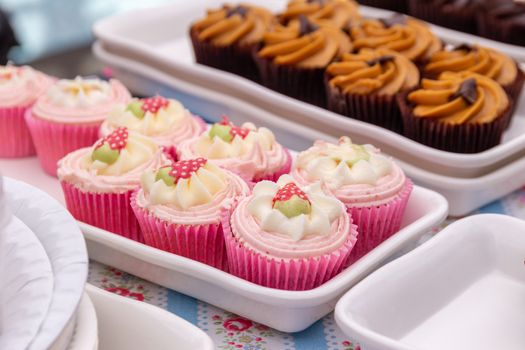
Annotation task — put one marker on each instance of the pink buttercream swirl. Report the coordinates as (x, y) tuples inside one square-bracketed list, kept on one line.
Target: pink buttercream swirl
[(46, 108), (204, 214), (255, 164), (21, 86), (248, 232), (72, 169)]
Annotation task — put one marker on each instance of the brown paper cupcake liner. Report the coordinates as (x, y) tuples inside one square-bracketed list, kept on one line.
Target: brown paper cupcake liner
[(235, 59), (459, 19), (394, 5), (381, 110), (305, 84), (497, 29), (465, 138)]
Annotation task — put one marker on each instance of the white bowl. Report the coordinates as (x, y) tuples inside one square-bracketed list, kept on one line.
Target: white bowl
[(63, 242), (462, 290)]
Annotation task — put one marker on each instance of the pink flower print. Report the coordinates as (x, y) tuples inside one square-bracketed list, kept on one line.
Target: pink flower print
[(136, 296), (120, 291), (237, 324)]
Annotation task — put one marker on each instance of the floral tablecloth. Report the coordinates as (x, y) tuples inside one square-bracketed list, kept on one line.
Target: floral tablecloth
[(230, 331)]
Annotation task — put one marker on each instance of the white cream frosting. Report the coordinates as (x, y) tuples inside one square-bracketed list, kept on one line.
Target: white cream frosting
[(152, 124), (79, 92), (139, 150), (344, 164), (21, 86), (324, 210), (196, 190), (217, 148)]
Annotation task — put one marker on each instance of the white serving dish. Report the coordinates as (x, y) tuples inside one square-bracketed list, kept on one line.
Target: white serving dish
[(463, 289), (62, 240), (125, 324), (463, 194), (158, 37), (296, 310), (26, 285), (85, 336)]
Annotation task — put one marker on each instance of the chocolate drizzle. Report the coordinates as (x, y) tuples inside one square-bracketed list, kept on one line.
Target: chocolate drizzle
[(467, 91), (381, 60), (237, 10), (305, 26), (394, 19)]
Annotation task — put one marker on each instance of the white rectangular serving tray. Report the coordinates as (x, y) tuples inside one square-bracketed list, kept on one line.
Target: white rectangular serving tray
[(288, 311), (158, 37), (463, 289), (463, 194)]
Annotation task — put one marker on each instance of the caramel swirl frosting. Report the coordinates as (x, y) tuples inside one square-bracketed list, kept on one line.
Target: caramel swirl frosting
[(379, 71), (242, 24), (476, 59), (408, 36), (459, 98), (305, 44), (336, 12)]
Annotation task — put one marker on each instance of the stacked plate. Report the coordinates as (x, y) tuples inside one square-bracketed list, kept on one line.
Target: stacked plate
[(151, 53)]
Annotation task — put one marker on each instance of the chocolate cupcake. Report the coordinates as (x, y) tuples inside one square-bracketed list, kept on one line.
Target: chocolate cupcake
[(481, 60), (503, 20), (336, 12), (293, 58), (408, 36), (463, 113), (456, 14), (364, 86), (225, 38), (393, 5)]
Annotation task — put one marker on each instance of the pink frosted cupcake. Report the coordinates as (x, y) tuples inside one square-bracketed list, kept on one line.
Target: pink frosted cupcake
[(19, 89), (166, 121), (179, 207), (98, 181), (373, 188), (251, 152), (68, 117), (287, 237)]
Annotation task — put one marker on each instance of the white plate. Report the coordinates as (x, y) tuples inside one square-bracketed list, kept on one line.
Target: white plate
[(85, 336), (463, 194), (158, 37), (26, 285), (125, 324), (463, 289), (296, 310), (63, 242)]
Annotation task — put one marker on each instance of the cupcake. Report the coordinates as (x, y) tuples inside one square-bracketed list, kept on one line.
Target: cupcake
[(373, 188), (98, 181), (225, 38), (293, 58), (456, 14), (364, 86), (336, 12), (502, 20), (408, 36), (481, 60), (251, 152), (179, 208), (392, 5), (459, 112), (165, 121), (19, 89), (287, 236), (69, 115)]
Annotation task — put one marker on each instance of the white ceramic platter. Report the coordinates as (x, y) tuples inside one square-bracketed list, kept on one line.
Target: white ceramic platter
[(62, 240), (463, 289), (125, 324), (158, 37), (296, 310), (26, 285), (85, 336), (463, 194)]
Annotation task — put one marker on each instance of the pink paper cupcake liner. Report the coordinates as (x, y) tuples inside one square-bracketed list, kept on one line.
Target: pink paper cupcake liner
[(53, 141), (378, 223), (290, 274), (285, 169), (15, 139), (108, 211), (203, 243)]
